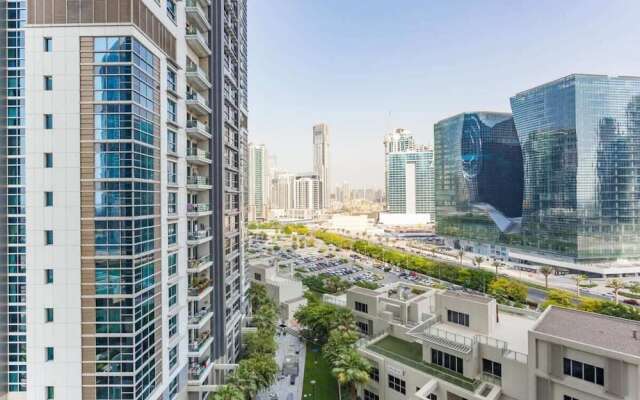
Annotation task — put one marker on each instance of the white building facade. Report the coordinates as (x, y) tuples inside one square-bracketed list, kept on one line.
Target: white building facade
[(321, 162), (259, 182)]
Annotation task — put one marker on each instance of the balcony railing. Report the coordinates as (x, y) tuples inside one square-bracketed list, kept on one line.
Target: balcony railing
[(199, 153), (196, 345), (199, 129), (199, 316), (197, 180), (198, 286), (195, 263), (201, 234), (198, 77), (197, 369), (197, 41), (198, 207)]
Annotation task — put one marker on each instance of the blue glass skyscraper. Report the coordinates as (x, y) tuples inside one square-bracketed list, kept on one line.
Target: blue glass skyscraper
[(580, 138)]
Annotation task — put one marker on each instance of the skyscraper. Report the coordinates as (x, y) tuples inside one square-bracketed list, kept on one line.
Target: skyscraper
[(408, 180), (321, 161), (580, 138), (479, 178), (124, 234), (259, 182)]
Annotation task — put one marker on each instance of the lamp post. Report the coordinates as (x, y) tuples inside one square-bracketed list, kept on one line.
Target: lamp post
[(313, 385)]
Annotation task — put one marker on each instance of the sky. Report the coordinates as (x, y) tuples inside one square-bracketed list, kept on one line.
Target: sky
[(367, 66)]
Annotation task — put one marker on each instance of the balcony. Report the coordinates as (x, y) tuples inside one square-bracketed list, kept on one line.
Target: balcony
[(198, 265), (197, 15), (198, 182), (197, 104), (198, 371), (195, 210), (198, 156), (197, 78), (198, 346), (200, 319), (199, 289), (198, 237), (198, 130), (198, 42)]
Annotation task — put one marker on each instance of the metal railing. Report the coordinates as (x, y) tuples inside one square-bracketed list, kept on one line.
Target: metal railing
[(197, 180), (195, 124), (201, 234), (196, 152), (198, 207), (193, 96), (193, 68), (195, 33), (195, 263)]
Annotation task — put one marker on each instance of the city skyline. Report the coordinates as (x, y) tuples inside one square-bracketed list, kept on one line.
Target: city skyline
[(430, 72)]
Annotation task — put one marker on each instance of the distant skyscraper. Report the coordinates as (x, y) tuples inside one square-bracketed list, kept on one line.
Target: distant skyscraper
[(308, 192), (282, 196), (259, 182), (408, 176), (321, 161)]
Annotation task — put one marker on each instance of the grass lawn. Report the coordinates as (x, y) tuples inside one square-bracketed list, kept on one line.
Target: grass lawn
[(316, 368)]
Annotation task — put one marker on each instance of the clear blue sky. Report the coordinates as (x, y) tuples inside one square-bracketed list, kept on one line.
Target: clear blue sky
[(366, 66)]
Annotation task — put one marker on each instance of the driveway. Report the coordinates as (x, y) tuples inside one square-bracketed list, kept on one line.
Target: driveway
[(281, 389)]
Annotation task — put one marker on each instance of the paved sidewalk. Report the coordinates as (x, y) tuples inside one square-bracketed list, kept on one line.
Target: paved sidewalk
[(282, 388)]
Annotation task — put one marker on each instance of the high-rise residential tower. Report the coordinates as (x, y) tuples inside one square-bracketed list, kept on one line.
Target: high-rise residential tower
[(259, 182), (321, 161), (408, 180), (125, 125)]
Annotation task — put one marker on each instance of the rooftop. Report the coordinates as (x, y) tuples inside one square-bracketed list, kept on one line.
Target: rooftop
[(596, 330), (468, 296)]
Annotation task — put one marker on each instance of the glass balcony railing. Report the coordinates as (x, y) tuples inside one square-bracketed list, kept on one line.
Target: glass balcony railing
[(197, 369), (200, 234), (198, 207), (197, 180)]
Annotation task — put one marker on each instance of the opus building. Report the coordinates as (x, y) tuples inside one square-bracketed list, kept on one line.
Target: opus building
[(124, 181), (562, 184)]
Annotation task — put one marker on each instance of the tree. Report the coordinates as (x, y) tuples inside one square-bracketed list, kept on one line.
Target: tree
[(561, 298), (340, 340), (245, 378), (260, 344), (546, 271), (579, 279), (351, 369), (497, 265), (617, 285), (228, 392), (460, 255), (506, 291), (258, 296), (265, 319), (477, 261)]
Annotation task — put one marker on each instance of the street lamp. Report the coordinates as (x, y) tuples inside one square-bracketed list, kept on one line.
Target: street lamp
[(313, 385)]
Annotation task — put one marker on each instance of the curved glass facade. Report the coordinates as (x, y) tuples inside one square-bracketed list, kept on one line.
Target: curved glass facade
[(580, 140), (478, 176)]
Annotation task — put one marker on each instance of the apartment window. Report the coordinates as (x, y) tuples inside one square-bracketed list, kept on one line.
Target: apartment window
[(565, 397), (173, 263), (397, 384), (48, 314), (584, 371), (172, 80), (492, 368), (173, 295), (50, 393), (370, 395), (47, 45), (447, 360), (173, 233), (374, 374), (49, 354), (172, 175), (362, 307), (363, 327), (48, 82), (174, 387), (173, 357), (48, 121), (173, 325), (48, 160), (172, 202), (458, 318), (48, 276), (172, 112), (48, 199), (48, 237), (172, 144), (171, 9)]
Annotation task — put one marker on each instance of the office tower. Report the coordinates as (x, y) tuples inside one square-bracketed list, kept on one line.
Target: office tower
[(408, 180), (308, 193), (580, 140), (259, 182), (126, 143), (343, 192), (321, 161), (478, 176)]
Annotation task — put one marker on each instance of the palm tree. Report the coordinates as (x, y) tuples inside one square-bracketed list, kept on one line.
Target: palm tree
[(496, 264), (578, 279), (477, 261), (546, 271), (617, 285), (351, 369), (460, 255)]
